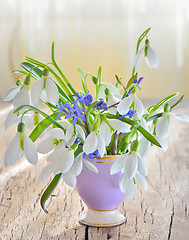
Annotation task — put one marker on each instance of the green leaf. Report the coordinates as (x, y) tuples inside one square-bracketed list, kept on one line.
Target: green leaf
[(38, 73), (59, 80), (131, 80), (142, 36), (99, 75), (177, 103), (88, 114), (145, 133), (155, 107), (49, 190), (23, 72), (83, 79)]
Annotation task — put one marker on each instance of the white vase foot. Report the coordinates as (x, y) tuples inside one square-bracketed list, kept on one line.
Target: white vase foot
[(100, 218)]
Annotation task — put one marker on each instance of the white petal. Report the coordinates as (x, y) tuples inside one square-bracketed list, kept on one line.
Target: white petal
[(90, 166), (127, 186), (57, 133), (124, 105), (181, 116), (52, 91), (22, 98), (70, 142), (10, 120), (144, 147), (141, 180), (144, 124), (69, 178), (101, 145), (30, 150), (64, 124), (45, 146), (101, 93), (56, 154), (105, 133), (66, 161), (80, 130), (131, 165), (78, 166), (90, 144), (46, 172), (139, 107), (163, 142), (138, 57), (69, 132), (119, 126), (152, 58), (111, 87), (142, 168), (13, 150), (37, 90), (163, 126), (10, 93), (118, 165)]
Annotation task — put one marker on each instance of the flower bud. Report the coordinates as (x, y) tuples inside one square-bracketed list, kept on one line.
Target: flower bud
[(18, 82), (21, 127), (45, 72), (147, 42), (135, 146), (94, 79), (27, 80), (167, 107), (107, 91)]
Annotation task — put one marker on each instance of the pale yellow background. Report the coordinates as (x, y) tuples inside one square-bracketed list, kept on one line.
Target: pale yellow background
[(92, 33)]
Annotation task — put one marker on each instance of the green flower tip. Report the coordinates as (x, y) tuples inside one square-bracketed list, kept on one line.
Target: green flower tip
[(21, 127), (27, 80), (107, 91), (135, 146), (18, 82), (167, 107), (45, 72)]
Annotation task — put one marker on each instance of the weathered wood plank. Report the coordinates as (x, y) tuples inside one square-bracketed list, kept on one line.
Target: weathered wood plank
[(159, 213)]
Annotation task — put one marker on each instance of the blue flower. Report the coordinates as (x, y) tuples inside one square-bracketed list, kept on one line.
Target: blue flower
[(135, 81), (92, 155), (75, 113), (129, 114), (61, 109), (86, 99), (101, 105)]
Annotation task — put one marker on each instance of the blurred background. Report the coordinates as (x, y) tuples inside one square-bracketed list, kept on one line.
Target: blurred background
[(90, 33)]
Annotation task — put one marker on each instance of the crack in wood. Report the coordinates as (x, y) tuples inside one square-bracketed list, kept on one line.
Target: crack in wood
[(86, 233), (171, 224)]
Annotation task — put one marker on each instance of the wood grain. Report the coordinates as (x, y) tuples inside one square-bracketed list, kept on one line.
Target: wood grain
[(161, 212)]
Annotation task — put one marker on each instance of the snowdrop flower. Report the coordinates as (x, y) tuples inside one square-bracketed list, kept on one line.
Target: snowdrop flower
[(11, 92), (150, 55), (163, 125), (54, 138), (125, 104), (111, 94), (45, 89), (21, 144), (128, 186), (61, 160)]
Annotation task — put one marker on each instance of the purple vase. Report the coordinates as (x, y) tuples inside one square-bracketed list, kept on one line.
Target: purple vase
[(101, 193)]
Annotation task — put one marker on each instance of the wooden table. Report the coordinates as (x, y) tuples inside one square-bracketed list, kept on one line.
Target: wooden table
[(161, 212)]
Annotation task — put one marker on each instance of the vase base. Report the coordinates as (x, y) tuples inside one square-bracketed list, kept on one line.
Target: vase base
[(100, 218)]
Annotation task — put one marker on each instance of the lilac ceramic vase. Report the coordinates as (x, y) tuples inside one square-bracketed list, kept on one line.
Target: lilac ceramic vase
[(101, 193)]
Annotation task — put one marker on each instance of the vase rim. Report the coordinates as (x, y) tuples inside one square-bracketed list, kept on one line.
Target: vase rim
[(105, 158)]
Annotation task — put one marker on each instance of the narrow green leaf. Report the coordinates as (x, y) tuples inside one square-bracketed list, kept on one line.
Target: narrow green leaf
[(177, 103), (49, 190), (83, 80), (145, 133), (88, 114), (99, 75), (142, 36), (152, 110), (23, 72), (131, 80)]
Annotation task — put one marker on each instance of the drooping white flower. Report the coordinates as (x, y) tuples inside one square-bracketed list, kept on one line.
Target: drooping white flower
[(125, 104), (112, 97), (163, 124), (61, 160), (150, 56), (23, 97), (45, 89), (10, 93), (54, 138), (21, 144), (73, 131)]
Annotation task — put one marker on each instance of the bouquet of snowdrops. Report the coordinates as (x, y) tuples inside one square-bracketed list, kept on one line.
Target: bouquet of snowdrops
[(79, 125)]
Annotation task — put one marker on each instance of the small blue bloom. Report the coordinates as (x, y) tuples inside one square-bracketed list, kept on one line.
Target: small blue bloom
[(61, 108), (135, 81), (129, 114), (75, 113), (86, 99), (77, 140), (101, 105), (92, 155)]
